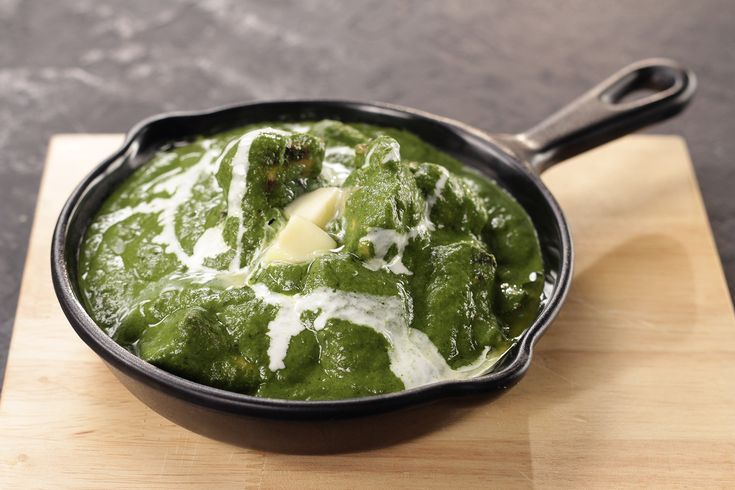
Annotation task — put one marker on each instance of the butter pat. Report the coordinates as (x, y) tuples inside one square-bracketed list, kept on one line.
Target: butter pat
[(299, 241), (318, 206)]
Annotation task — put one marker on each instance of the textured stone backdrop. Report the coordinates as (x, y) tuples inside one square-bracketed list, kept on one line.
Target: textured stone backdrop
[(100, 66)]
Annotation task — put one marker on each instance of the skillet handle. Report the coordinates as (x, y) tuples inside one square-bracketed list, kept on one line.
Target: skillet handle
[(602, 114)]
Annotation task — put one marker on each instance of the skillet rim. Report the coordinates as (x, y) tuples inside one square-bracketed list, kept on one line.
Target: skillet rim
[(214, 398)]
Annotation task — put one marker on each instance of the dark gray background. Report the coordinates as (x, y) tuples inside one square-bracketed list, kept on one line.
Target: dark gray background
[(100, 66)]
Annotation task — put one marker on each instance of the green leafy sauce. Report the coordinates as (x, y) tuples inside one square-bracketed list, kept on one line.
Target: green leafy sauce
[(434, 273)]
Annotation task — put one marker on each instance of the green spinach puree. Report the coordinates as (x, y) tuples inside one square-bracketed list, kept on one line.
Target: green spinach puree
[(312, 261)]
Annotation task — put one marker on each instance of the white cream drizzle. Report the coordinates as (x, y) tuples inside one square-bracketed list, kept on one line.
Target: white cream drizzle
[(334, 172), (180, 188), (383, 239), (164, 159), (441, 182), (414, 359), (238, 184), (210, 244), (394, 155)]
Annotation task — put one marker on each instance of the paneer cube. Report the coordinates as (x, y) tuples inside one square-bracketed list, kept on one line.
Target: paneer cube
[(299, 241), (318, 206)]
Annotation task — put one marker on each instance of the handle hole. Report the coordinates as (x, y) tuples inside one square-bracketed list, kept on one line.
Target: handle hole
[(635, 94), (641, 86)]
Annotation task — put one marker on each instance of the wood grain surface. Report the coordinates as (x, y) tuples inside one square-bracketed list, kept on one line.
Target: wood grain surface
[(634, 385)]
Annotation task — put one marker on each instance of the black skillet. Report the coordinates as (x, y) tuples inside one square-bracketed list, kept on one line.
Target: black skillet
[(515, 161)]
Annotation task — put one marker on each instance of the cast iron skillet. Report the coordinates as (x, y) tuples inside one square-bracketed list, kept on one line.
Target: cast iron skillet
[(514, 161)]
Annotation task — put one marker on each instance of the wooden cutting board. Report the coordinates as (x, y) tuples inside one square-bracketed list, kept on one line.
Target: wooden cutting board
[(634, 385)]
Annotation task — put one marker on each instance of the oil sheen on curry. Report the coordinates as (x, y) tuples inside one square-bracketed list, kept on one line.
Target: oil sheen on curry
[(312, 261)]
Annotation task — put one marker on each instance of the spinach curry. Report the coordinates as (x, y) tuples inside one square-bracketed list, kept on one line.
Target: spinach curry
[(312, 261)]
